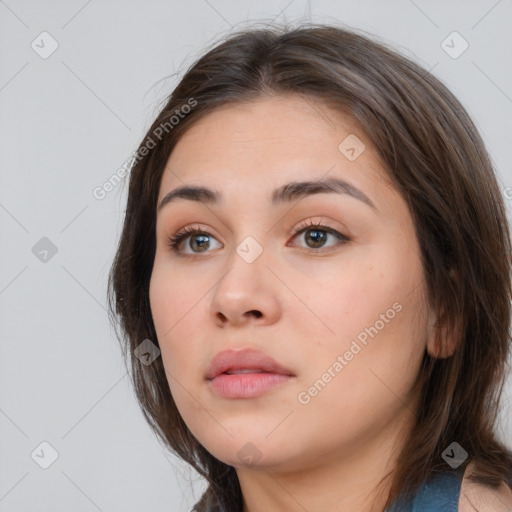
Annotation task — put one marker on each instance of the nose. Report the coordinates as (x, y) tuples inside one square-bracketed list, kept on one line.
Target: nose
[(247, 293)]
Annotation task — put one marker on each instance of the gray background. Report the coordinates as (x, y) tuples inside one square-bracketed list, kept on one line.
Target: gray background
[(67, 123)]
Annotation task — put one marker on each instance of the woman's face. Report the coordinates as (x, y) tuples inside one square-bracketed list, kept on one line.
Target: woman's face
[(340, 307)]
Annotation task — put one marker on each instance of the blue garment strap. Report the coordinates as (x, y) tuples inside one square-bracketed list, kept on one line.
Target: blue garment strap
[(439, 494)]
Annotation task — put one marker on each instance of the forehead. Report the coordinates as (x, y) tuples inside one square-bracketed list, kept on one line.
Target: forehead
[(273, 140), (281, 124)]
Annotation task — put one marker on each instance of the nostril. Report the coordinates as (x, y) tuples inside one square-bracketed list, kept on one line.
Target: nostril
[(256, 313), (222, 316)]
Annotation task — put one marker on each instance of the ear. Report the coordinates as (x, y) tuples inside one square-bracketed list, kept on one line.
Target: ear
[(442, 341)]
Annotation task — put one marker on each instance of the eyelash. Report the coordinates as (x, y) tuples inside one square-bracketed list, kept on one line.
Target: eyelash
[(175, 240)]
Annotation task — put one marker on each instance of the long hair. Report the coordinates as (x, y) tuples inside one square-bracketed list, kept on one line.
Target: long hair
[(436, 160)]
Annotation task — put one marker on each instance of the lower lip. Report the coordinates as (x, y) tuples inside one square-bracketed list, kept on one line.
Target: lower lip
[(246, 385)]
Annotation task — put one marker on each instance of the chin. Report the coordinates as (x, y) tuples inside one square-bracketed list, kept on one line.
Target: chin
[(250, 451)]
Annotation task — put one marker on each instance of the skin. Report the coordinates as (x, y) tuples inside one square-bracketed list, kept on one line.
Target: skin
[(476, 497), (331, 453)]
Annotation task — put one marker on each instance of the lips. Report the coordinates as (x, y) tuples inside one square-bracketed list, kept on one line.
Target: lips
[(233, 361)]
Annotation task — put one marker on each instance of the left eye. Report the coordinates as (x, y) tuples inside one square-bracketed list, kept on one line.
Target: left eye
[(319, 234), (316, 237)]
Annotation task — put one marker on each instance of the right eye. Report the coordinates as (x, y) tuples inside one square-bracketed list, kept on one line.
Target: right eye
[(198, 239)]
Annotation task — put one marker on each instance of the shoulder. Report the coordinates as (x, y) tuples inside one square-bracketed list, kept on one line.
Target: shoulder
[(476, 497)]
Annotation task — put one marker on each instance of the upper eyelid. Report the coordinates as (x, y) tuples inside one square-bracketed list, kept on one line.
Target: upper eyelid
[(311, 224), (315, 221), (190, 230)]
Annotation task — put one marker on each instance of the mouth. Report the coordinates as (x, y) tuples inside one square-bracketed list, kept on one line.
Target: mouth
[(249, 383), (245, 374), (247, 370)]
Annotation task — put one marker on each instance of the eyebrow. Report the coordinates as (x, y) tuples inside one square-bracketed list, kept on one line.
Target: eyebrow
[(284, 194)]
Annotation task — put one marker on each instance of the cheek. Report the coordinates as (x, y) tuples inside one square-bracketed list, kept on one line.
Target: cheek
[(373, 301), (175, 306), (342, 298), (175, 311), (380, 357)]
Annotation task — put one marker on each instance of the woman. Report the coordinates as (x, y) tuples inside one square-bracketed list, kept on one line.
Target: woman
[(316, 242)]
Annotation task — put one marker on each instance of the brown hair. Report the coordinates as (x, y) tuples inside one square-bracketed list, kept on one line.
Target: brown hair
[(436, 160)]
